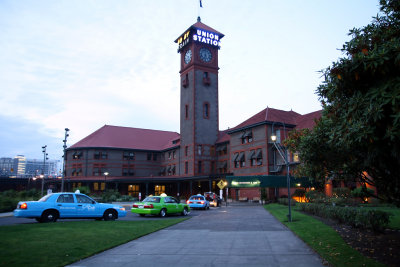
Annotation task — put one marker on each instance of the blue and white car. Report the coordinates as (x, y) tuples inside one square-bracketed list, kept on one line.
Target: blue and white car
[(198, 202), (68, 206)]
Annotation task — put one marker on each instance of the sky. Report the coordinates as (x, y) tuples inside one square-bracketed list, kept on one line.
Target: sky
[(84, 64)]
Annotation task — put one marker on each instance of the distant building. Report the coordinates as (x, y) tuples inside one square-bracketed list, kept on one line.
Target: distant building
[(6, 166), (35, 167), (200, 158)]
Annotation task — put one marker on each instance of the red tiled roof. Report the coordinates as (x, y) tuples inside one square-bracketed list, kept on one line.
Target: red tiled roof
[(308, 120), (130, 138), (276, 115), (271, 115), (223, 136), (200, 25), (203, 26)]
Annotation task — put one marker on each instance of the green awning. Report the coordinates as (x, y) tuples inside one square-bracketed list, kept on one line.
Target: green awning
[(267, 181)]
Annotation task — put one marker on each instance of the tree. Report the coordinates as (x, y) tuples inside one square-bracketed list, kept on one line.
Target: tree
[(358, 135)]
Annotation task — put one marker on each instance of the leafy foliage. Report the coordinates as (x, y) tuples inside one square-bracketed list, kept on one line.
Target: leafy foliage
[(376, 220), (358, 136)]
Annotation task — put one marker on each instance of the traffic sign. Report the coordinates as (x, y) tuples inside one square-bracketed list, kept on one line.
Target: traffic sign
[(221, 184)]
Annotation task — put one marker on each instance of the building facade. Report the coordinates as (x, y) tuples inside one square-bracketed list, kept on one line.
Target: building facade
[(141, 162)]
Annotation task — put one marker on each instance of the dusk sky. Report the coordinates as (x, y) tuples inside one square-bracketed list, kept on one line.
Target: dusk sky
[(83, 64)]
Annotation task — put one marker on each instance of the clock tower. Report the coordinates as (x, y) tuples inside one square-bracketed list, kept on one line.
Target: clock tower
[(198, 47)]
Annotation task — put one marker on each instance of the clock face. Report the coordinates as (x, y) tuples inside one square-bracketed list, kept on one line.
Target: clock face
[(188, 56), (205, 54)]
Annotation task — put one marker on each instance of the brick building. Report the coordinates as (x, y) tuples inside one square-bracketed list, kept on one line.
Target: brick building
[(193, 161)]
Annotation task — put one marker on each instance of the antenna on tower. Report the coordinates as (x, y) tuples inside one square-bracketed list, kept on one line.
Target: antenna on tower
[(198, 9)]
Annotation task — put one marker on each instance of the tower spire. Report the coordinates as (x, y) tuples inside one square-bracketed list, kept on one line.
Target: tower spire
[(198, 19)]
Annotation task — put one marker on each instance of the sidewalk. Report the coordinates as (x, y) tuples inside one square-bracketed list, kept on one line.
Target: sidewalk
[(226, 236), (6, 214)]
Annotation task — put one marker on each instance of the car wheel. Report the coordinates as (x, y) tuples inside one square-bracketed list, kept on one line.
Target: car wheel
[(163, 212), (185, 212), (38, 219), (109, 215), (142, 215), (49, 216)]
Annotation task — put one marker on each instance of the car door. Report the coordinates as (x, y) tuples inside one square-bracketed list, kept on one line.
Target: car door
[(66, 205), (87, 207), (171, 205)]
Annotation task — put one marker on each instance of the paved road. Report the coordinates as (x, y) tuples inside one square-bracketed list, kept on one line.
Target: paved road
[(227, 236)]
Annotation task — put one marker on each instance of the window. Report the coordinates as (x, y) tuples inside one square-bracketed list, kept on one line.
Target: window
[(133, 190), (83, 199), (239, 160), (296, 157), (100, 155), (65, 198), (206, 78), (174, 154), (186, 111), (127, 155), (199, 149), (128, 170), (186, 167), (77, 155), (212, 151), (206, 111), (154, 157), (200, 170), (186, 151), (159, 189), (256, 158), (185, 82), (169, 155), (222, 167), (222, 150), (247, 137), (99, 169), (212, 166), (149, 156)]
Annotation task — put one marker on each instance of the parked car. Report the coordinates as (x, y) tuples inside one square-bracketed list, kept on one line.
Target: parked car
[(213, 198), (160, 205), (67, 206), (198, 202)]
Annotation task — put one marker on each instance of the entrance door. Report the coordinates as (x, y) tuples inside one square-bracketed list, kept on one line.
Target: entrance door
[(237, 193)]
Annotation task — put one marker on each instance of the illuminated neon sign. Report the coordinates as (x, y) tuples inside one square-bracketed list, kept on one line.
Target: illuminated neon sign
[(183, 40), (200, 36), (206, 37)]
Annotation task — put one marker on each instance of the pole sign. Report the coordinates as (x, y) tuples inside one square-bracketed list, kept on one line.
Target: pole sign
[(221, 184)]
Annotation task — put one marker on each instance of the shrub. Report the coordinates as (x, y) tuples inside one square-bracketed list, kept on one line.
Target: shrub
[(82, 189), (357, 217), (341, 192), (362, 192), (315, 196), (110, 195), (299, 192), (285, 201)]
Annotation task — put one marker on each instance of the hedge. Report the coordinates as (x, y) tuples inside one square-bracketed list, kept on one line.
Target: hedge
[(357, 217)]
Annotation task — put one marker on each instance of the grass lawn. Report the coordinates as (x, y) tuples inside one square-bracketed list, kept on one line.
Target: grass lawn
[(61, 243), (320, 237)]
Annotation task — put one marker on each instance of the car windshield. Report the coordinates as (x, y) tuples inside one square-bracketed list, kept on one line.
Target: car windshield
[(152, 199), (197, 198), (45, 198)]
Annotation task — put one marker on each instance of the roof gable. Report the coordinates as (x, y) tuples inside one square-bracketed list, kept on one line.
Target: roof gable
[(129, 138)]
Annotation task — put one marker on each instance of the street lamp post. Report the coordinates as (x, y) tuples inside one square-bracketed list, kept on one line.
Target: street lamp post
[(284, 155), (44, 165), (105, 180), (64, 158)]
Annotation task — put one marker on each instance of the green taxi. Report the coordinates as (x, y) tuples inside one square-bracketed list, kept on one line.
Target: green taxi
[(160, 205)]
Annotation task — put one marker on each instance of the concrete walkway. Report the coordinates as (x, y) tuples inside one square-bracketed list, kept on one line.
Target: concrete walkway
[(227, 236)]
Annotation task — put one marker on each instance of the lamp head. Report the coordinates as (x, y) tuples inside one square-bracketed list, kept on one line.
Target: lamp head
[(273, 138), (106, 173)]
